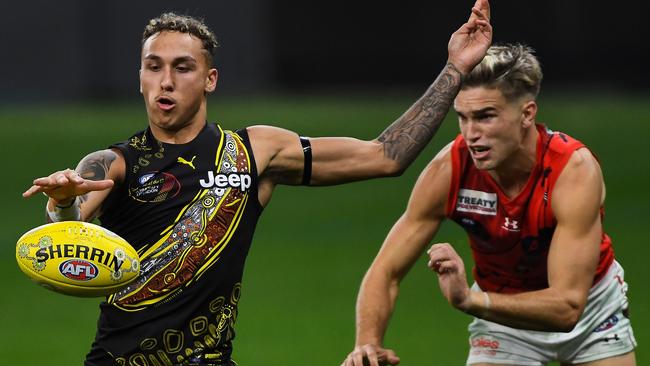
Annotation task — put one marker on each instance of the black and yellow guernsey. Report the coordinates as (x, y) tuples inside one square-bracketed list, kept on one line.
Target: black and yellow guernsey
[(190, 211)]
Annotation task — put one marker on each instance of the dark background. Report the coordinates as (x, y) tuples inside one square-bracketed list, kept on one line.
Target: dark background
[(69, 86), (55, 50)]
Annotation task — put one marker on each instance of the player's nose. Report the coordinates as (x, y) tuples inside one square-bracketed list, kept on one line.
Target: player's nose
[(167, 81)]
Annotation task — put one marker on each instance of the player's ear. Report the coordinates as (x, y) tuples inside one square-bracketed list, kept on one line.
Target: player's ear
[(211, 80), (528, 113), (140, 78)]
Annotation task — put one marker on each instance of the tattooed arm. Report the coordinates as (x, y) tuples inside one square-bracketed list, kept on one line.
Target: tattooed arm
[(87, 186), (280, 159)]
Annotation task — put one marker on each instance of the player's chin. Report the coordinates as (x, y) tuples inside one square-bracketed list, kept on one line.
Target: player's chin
[(484, 164)]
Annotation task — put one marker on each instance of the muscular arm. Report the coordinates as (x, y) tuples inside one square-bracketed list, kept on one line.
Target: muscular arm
[(91, 182), (335, 160), (572, 261), (342, 159), (403, 245)]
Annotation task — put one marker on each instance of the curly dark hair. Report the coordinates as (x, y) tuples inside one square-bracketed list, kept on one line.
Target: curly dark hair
[(184, 24)]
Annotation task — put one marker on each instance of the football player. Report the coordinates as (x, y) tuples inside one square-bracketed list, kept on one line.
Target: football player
[(187, 194), (547, 287)]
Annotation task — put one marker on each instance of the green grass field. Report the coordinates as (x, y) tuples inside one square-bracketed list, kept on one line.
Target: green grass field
[(312, 245)]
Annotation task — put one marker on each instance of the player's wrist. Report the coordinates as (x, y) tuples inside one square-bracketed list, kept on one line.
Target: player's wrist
[(479, 304), (64, 203), (458, 67), (64, 211)]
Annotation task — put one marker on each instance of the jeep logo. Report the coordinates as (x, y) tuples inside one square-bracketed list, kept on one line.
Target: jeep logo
[(220, 180)]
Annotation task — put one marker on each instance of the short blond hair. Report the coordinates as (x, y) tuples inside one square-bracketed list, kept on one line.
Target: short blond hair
[(511, 68)]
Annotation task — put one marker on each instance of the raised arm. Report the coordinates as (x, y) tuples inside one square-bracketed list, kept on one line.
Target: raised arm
[(78, 194), (572, 259), (402, 247), (338, 160)]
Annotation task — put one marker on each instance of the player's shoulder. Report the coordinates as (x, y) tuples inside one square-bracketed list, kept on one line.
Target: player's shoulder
[(270, 135), (582, 171), (441, 162), (430, 193), (436, 176), (582, 161), (109, 162)]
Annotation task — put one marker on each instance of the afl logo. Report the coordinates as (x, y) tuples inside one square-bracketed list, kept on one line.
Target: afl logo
[(145, 178), (154, 187), (78, 270)]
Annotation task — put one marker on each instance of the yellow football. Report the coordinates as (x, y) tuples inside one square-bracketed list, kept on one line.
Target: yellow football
[(77, 258)]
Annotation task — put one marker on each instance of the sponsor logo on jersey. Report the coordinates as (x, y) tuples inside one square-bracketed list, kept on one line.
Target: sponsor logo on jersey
[(154, 187), (511, 224), (241, 181), (607, 324), (482, 342), (189, 163), (78, 269), (482, 203)]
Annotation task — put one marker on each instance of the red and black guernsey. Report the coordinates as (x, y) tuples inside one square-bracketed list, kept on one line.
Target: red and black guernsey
[(510, 238), (190, 211)]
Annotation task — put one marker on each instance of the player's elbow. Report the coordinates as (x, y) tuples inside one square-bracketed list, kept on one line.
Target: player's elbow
[(568, 318), (391, 164), (567, 322), (393, 168)]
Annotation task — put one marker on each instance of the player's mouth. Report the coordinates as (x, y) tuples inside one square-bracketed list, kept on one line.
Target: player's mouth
[(165, 103), (480, 152)]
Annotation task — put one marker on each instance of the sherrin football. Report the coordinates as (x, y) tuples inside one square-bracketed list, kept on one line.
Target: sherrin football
[(77, 258)]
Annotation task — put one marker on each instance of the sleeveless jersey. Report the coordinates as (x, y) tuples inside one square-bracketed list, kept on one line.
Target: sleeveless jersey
[(510, 238), (190, 211)]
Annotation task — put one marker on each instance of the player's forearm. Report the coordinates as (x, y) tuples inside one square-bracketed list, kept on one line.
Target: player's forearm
[(543, 310), (374, 307), (404, 139)]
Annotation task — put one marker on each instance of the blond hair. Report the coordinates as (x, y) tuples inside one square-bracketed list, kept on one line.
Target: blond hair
[(511, 68)]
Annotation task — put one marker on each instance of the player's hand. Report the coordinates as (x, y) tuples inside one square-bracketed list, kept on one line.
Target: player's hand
[(66, 184), (444, 260), (371, 355), (470, 42)]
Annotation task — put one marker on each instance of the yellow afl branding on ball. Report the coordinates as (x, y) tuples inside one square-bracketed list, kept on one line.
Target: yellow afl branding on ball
[(77, 258)]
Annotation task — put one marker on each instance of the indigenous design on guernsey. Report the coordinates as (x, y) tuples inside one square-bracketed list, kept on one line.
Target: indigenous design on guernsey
[(510, 237), (172, 349), (202, 230)]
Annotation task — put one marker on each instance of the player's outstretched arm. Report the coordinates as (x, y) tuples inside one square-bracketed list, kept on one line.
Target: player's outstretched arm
[(338, 160), (572, 260), (402, 247), (78, 194)]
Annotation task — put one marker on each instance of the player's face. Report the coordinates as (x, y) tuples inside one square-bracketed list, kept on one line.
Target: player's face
[(174, 80), (492, 126)]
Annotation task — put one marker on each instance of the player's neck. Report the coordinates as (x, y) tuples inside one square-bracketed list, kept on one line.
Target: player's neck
[(513, 174), (179, 134)]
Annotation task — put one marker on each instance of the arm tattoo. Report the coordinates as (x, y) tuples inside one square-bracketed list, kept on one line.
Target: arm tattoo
[(95, 167), (405, 138)]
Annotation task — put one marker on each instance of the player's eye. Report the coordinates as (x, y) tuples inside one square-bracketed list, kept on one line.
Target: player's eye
[(485, 117)]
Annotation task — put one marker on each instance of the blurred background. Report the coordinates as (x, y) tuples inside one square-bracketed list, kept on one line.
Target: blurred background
[(69, 75)]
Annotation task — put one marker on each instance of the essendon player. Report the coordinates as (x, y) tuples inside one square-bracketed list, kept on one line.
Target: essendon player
[(547, 287)]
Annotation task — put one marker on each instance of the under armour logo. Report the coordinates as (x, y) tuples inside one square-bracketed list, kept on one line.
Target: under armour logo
[(190, 163), (511, 225), (615, 338)]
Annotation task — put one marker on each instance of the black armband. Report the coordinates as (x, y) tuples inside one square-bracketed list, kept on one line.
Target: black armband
[(306, 171)]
